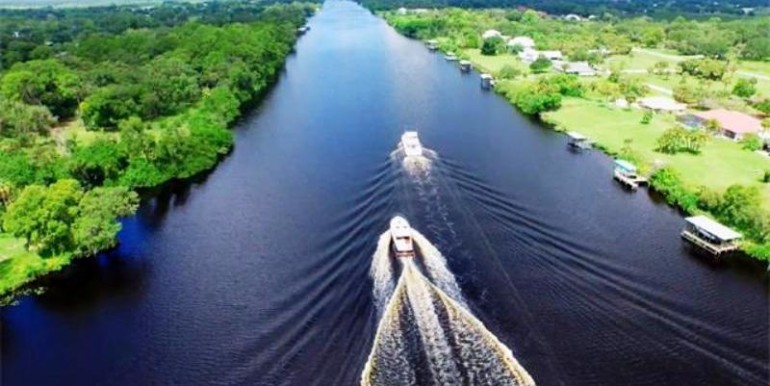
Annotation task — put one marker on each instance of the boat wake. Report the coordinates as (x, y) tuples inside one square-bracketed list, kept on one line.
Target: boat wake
[(427, 336)]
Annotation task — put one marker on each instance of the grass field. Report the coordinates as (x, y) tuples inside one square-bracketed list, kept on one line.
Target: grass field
[(720, 164), (19, 266), (493, 64)]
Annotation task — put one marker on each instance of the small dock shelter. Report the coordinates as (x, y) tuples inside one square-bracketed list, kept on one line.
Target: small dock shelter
[(465, 66), (710, 235), (487, 81), (578, 141), (626, 173)]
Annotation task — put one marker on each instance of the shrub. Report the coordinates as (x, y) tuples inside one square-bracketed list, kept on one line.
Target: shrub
[(540, 65), (745, 88), (647, 117), (508, 72), (751, 142)]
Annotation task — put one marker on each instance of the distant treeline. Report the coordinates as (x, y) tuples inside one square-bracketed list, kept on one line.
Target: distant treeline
[(652, 8)]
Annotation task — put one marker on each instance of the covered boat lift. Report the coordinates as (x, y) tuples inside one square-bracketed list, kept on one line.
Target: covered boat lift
[(710, 235), (626, 173), (487, 81), (578, 141)]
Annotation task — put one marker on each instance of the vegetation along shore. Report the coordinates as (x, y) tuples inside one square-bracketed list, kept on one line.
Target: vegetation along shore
[(686, 100), (100, 102)]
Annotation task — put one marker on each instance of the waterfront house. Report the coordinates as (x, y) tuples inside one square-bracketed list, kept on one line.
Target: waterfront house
[(732, 124), (710, 235), (552, 55), (577, 68), (528, 55), (662, 104), (524, 42), (491, 33)]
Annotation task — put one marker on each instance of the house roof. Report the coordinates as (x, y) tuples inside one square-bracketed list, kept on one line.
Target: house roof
[(490, 33), (579, 67), (716, 229), (732, 121), (523, 41), (662, 103)]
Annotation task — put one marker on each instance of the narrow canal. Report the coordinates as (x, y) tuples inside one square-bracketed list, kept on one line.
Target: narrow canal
[(258, 274)]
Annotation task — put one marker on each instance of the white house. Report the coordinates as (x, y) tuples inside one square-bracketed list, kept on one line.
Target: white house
[(552, 55), (522, 41), (528, 55), (579, 68), (573, 17), (491, 33)]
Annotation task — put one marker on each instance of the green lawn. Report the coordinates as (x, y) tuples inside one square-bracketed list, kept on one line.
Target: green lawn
[(19, 266), (720, 164), (493, 64)]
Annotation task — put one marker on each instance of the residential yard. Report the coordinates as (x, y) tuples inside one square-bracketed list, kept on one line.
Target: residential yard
[(720, 164), (493, 64)]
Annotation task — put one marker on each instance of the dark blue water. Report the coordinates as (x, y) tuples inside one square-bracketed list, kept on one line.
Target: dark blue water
[(258, 275)]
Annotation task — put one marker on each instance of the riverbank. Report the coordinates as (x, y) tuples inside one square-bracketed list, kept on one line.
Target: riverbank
[(102, 157), (722, 178)]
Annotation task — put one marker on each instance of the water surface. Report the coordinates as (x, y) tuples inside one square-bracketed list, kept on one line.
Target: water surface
[(258, 275)]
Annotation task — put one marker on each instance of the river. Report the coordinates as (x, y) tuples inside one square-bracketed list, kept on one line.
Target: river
[(258, 274)]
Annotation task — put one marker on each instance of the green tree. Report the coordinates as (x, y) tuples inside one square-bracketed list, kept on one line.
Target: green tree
[(96, 227), (751, 142), (493, 46), (42, 216), (508, 72), (540, 65), (745, 88), (43, 82)]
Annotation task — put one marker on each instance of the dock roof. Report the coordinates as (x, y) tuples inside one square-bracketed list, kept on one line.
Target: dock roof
[(623, 164), (714, 228), (576, 136)]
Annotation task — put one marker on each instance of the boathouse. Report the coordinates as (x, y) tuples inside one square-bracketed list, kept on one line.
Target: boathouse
[(465, 66), (710, 235), (578, 141), (487, 81), (626, 173)]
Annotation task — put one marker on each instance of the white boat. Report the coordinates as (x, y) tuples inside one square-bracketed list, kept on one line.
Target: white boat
[(401, 233), (410, 142)]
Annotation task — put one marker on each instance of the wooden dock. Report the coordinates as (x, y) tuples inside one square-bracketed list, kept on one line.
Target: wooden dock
[(630, 182), (714, 249)]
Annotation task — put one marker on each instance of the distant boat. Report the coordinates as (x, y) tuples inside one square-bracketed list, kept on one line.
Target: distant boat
[(410, 143), (401, 235), (450, 57), (302, 30)]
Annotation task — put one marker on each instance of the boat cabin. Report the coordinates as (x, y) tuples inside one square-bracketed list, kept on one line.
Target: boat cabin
[(432, 45), (487, 81), (626, 173), (465, 66), (578, 141), (710, 235)]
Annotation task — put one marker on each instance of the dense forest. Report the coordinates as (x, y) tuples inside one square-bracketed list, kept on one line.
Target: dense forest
[(652, 8), (98, 102)]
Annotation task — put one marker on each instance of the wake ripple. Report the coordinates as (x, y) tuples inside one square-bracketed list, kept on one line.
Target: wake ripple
[(426, 335)]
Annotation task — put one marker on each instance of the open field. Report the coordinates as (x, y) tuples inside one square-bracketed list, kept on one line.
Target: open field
[(493, 64), (720, 164)]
